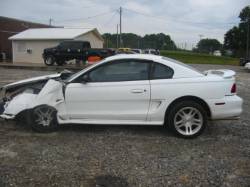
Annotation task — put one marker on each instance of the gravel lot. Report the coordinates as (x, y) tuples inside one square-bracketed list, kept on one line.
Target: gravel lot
[(126, 156)]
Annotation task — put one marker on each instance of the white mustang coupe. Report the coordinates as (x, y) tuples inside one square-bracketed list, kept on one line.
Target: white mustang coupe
[(131, 89)]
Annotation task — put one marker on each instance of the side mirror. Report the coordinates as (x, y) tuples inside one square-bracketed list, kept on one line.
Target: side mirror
[(85, 79), (65, 74)]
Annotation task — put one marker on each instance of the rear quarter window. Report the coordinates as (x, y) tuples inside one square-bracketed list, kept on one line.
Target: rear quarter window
[(160, 71)]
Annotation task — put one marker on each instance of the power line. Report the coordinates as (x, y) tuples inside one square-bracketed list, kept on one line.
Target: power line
[(85, 18), (177, 20), (109, 20)]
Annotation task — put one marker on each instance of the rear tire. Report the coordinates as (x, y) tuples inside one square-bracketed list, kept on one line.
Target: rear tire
[(43, 119), (187, 119)]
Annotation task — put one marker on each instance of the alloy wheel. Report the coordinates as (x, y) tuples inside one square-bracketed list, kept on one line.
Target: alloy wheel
[(44, 115), (188, 121)]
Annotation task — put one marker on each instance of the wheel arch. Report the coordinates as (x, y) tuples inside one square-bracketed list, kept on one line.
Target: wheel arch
[(189, 98)]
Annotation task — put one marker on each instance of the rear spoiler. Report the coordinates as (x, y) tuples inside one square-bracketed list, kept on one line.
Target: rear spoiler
[(225, 73)]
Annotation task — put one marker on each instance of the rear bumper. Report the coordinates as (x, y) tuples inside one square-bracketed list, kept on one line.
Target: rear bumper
[(229, 107)]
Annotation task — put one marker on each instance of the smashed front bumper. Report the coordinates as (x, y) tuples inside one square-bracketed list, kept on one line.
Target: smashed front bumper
[(2, 109)]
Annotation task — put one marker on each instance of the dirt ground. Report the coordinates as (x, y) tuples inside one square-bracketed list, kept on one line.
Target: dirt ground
[(80, 155)]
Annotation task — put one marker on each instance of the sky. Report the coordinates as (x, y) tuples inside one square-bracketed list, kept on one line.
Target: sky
[(186, 21)]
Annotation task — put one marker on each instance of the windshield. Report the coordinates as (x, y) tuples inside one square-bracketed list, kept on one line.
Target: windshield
[(81, 71)]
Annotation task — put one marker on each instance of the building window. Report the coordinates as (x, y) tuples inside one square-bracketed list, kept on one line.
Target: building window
[(21, 47)]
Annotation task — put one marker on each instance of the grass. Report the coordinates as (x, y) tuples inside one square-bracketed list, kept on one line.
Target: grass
[(199, 58)]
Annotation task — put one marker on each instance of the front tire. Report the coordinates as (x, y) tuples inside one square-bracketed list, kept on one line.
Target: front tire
[(44, 119), (187, 119)]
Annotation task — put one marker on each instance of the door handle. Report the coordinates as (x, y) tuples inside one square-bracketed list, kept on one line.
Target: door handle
[(138, 90)]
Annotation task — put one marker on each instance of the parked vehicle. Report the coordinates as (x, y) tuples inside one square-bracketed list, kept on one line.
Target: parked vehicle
[(151, 51), (126, 89), (247, 65), (125, 52), (69, 50), (139, 51), (245, 62), (124, 49)]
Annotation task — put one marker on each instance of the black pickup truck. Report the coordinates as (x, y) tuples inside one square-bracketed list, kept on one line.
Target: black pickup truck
[(69, 50)]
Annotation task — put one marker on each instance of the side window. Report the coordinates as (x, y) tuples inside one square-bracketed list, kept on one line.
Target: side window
[(65, 45), (129, 70), (161, 71), (86, 45), (75, 45)]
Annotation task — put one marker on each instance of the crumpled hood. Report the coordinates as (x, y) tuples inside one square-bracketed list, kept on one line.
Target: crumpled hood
[(30, 80)]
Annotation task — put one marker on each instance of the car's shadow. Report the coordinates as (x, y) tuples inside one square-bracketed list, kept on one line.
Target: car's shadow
[(127, 129), (141, 130)]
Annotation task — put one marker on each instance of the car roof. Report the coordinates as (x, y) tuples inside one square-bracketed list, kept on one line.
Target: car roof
[(136, 56)]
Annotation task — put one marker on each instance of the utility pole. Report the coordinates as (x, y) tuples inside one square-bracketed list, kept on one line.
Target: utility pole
[(50, 21), (201, 36), (117, 36), (120, 26), (247, 49)]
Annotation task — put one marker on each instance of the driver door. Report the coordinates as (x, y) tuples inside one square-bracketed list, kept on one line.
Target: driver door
[(117, 91)]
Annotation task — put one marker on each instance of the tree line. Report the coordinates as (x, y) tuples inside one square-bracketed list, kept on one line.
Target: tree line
[(159, 41)]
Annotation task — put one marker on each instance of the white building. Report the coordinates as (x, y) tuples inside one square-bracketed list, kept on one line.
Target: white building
[(28, 46)]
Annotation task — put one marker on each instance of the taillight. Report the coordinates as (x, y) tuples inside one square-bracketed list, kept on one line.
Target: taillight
[(233, 89)]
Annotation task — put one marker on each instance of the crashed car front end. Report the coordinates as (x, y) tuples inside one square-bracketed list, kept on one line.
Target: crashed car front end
[(27, 94), (16, 98)]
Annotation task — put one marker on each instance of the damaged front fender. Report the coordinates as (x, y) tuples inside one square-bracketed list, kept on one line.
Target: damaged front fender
[(51, 94)]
